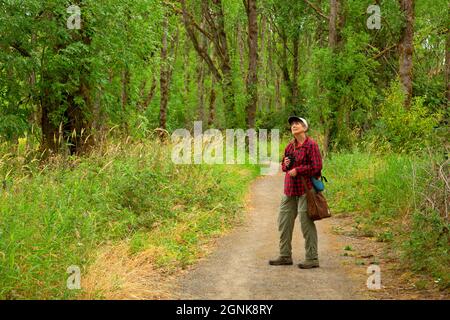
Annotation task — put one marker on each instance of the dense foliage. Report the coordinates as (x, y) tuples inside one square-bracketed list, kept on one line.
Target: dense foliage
[(147, 64)]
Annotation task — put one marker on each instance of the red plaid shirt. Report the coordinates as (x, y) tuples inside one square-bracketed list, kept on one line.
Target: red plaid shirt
[(308, 163)]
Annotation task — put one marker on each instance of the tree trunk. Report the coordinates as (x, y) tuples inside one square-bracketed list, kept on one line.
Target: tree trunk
[(75, 127), (187, 72), (164, 77), (333, 34), (147, 98), (212, 103), (50, 131), (97, 114), (274, 72), (447, 65), (278, 101), (241, 47), (320, 35), (285, 67), (201, 90), (263, 64), (295, 70), (406, 48), (221, 47), (252, 75), (201, 74), (80, 116), (330, 127)]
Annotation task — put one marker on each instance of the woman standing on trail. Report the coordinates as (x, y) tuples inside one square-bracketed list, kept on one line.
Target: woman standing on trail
[(306, 160)]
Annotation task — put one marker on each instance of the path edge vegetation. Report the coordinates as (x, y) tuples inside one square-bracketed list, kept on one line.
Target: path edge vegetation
[(62, 211)]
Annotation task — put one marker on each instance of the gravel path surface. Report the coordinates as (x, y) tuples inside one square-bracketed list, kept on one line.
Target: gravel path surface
[(238, 266)]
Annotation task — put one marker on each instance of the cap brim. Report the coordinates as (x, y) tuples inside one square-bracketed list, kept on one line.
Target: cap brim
[(294, 118)]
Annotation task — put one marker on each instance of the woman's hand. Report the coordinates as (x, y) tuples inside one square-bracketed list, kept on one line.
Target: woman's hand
[(293, 173), (287, 161)]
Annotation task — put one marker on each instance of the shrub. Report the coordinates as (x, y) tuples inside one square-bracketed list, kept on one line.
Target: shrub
[(400, 129)]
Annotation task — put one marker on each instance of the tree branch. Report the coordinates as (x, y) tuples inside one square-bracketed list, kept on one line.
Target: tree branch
[(21, 50), (200, 50), (281, 33), (191, 19), (382, 52), (317, 10)]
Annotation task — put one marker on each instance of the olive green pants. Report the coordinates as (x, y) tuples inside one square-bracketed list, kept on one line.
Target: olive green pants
[(289, 208)]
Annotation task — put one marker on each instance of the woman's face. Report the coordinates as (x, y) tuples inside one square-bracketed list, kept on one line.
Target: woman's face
[(297, 127)]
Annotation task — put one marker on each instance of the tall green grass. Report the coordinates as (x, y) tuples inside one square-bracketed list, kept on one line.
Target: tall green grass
[(57, 213), (398, 199)]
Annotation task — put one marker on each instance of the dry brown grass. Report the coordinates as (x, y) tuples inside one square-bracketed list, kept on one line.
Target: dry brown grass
[(118, 275)]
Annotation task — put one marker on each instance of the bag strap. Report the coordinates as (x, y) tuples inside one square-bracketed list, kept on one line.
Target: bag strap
[(304, 184)]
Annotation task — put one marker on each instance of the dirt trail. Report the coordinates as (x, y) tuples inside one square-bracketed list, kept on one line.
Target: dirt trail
[(238, 267)]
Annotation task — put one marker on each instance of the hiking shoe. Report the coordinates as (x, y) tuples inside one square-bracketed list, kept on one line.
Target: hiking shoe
[(309, 264), (281, 261)]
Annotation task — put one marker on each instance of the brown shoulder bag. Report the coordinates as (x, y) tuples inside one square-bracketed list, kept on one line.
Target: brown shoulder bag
[(317, 204)]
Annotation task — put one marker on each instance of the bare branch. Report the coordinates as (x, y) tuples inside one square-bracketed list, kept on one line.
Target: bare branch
[(382, 52)]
